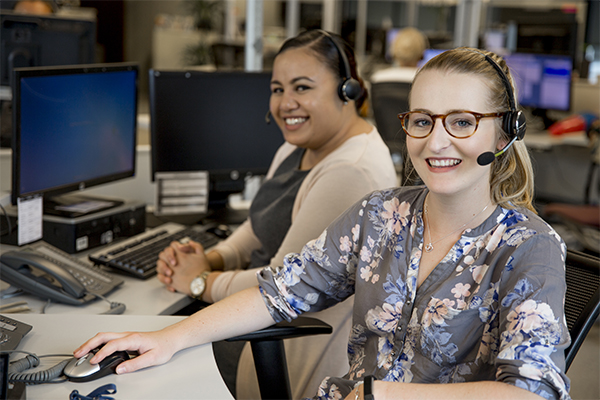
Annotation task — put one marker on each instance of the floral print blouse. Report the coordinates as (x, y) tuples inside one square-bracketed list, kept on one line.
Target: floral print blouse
[(492, 309)]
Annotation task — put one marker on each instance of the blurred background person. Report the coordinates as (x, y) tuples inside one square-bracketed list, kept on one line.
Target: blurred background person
[(407, 50), (39, 7)]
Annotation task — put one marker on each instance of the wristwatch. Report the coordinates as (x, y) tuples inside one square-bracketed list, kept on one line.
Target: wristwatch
[(368, 387), (198, 285)]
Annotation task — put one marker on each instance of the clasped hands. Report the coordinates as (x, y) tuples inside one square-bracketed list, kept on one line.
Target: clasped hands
[(179, 264)]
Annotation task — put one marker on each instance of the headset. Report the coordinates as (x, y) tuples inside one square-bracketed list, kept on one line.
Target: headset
[(514, 122), (349, 88)]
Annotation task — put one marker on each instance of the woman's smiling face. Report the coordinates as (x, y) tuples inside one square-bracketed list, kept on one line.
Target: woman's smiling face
[(448, 165), (304, 100)]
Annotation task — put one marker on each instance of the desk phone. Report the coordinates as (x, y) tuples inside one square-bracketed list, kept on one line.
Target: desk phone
[(11, 332), (47, 272)]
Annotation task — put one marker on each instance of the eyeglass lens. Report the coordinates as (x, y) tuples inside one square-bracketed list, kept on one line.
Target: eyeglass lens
[(458, 124)]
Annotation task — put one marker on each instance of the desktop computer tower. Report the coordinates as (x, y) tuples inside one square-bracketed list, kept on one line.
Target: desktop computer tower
[(88, 231)]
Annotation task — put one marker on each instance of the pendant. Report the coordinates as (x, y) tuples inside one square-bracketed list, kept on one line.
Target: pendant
[(428, 247)]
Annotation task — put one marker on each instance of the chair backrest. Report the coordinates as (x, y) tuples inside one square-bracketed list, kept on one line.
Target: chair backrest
[(387, 100), (582, 301)]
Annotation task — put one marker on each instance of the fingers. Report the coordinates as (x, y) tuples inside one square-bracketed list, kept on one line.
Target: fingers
[(96, 341), (136, 363), (168, 256), (149, 353), (164, 272), (196, 247), (153, 349)]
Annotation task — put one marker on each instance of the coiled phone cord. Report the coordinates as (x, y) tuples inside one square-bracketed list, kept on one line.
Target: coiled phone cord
[(16, 368)]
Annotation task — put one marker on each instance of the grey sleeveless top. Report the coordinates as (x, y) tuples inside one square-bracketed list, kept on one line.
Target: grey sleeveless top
[(271, 209)]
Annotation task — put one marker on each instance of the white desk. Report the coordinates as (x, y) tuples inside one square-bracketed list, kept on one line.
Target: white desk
[(190, 374), (141, 297), (543, 140)]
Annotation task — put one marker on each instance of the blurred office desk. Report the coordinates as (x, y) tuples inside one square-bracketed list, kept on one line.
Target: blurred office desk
[(562, 166), (543, 140), (141, 297), (190, 374)]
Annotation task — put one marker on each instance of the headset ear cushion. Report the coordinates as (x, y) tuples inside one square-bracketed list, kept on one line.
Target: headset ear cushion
[(350, 89), (507, 124), (514, 124), (520, 125)]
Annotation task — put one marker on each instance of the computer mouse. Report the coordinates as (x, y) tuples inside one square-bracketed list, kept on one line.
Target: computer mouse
[(80, 369)]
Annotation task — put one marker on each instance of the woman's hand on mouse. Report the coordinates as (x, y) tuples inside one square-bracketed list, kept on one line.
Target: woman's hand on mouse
[(179, 264), (154, 348)]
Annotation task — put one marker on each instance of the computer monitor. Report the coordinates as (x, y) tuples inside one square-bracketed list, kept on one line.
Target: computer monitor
[(543, 81), (428, 54), (390, 35), (215, 122), (74, 127), (44, 40)]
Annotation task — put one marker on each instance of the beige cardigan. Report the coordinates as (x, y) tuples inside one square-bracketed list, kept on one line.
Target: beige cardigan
[(360, 165)]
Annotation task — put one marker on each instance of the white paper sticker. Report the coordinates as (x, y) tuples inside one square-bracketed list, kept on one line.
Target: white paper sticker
[(29, 219)]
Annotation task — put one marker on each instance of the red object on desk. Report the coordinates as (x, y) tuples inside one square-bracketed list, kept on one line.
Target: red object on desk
[(574, 123)]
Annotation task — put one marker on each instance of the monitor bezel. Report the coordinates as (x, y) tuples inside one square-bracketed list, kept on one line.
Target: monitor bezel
[(215, 174), (20, 73)]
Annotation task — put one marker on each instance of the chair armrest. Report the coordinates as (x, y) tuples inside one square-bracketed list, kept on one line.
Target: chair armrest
[(268, 352), (301, 326)]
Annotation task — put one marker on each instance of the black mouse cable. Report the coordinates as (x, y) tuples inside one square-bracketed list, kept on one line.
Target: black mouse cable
[(31, 360)]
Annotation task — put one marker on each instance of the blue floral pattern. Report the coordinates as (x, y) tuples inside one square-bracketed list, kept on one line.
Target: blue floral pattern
[(491, 310)]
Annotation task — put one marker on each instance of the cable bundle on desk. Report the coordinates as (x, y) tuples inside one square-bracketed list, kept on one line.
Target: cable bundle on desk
[(16, 368)]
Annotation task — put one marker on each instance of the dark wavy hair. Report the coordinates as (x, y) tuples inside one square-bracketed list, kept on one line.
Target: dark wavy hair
[(317, 41)]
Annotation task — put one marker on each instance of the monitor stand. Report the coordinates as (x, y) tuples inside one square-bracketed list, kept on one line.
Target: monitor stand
[(71, 206)]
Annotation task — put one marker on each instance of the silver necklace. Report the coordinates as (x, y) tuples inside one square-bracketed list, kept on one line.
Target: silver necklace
[(429, 246)]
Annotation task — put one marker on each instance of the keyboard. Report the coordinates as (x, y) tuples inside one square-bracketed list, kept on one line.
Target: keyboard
[(137, 255), (11, 332)]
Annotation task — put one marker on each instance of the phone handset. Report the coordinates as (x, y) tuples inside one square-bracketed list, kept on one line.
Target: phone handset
[(50, 273), (40, 271)]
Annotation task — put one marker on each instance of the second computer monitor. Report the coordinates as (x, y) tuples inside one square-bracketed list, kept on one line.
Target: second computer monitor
[(215, 122), (44, 40), (543, 80)]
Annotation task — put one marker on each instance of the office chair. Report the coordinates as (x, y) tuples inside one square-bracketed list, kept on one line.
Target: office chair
[(387, 100), (583, 220), (269, 353), (582, 301)]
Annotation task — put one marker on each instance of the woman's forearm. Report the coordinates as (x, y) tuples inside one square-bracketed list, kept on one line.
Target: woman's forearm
[(459, 391), (238, 314), (215, 261)]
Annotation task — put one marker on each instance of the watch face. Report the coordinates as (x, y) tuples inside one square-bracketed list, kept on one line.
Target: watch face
[(197, 286)]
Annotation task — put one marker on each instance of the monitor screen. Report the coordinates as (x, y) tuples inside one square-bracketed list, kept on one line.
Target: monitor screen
[(212, 121), (428, 54), (74, 127), (543, 81), (44, 40), (390, 35)]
